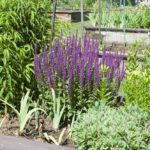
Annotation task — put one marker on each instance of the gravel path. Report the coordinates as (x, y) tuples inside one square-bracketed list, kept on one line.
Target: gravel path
[(18, 143)]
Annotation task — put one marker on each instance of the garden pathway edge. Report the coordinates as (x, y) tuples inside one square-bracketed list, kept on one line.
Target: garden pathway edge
[(19, 143)]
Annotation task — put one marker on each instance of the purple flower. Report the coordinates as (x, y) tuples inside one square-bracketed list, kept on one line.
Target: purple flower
[(77, 62)]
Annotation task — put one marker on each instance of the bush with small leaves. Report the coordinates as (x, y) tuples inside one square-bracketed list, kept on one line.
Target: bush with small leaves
[(103, 127)]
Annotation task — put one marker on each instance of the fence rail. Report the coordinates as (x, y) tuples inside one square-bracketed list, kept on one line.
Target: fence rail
[(125, 56)]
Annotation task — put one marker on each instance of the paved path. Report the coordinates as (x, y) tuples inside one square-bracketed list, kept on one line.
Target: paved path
[(18, 143)]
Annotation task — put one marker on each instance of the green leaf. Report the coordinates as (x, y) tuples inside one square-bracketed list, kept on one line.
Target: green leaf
[(27, 117)]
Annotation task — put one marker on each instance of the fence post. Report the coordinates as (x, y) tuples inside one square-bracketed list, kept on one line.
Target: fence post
[(53, 18)]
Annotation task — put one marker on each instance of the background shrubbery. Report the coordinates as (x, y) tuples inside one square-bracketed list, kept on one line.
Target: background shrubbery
[(129, 17), (22, 23)]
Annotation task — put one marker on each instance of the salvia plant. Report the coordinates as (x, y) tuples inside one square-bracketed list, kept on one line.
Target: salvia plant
[(73, 64)]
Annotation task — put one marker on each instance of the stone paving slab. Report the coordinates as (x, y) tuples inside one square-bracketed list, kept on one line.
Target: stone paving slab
[(18, 143)]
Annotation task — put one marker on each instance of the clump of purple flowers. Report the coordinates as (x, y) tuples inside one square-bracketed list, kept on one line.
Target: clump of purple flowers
[(76, 61)]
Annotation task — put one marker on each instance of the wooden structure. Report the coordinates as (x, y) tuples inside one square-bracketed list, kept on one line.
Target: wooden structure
[(71, 15)]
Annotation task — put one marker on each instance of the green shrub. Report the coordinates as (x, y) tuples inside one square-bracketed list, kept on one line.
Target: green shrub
[(22, 23), (137, 87), (106, 128), (137, 81)]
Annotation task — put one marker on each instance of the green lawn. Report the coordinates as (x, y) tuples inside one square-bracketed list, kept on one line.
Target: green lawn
[(74, 27)]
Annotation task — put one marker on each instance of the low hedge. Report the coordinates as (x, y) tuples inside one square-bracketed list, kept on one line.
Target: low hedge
[(106, 128)]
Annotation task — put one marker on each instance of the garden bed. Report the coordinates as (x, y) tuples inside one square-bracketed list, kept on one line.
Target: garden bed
[(10, 127)]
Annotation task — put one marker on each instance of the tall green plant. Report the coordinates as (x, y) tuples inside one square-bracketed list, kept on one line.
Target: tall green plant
[(57, 111), (22, 23)]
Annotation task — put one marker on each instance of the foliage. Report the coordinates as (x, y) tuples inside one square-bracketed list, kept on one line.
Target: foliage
[(137, 81), (129, 17), (78, 76), (62, 27), (57, 111), (24, 114), (103, 127), (93, 17), (22, 23), (36, 116)]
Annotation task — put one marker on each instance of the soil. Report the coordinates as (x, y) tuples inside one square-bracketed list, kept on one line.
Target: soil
[(10, 127)]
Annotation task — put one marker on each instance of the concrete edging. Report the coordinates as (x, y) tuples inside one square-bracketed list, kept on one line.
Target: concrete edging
[(19, 143)]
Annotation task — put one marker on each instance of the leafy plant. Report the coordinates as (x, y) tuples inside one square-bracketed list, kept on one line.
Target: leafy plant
[(93, 17), (24, 114), (129, 17), (51, 138), (137, 81), (57, 111), (103, 127), (70, 127), (35, 105), (22, 23)]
